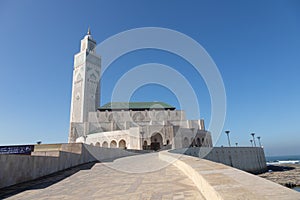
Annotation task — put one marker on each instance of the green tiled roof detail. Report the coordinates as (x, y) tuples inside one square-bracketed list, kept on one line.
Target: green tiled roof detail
[(136, 106)]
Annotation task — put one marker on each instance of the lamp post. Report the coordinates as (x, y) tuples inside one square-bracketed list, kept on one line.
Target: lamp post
[(253, 138), (251, 142), (236, 144), (227, 133), (259, 141)]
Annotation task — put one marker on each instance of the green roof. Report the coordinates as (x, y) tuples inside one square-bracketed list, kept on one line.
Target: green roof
[(136, 106)]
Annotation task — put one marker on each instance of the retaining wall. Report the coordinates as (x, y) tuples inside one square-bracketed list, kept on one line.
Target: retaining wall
[(249, 159), (51, 158)]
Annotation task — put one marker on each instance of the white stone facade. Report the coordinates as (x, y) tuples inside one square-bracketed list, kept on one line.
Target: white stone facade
[(120, 129), (130, 128)]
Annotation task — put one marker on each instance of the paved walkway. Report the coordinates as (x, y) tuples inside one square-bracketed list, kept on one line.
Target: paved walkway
[(137, 177)]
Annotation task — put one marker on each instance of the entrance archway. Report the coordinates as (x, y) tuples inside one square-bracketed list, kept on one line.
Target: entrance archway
[(105, 144), (113, 144), (156, 141), (122, 144)]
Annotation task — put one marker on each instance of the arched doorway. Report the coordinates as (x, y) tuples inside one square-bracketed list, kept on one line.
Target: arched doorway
[(145, 145), (122, 144), (97, 144), (156, 141), (105, 144), (193, 142), (198, 142), (113, 144)]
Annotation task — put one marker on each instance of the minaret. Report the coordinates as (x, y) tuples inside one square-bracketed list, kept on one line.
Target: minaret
[(86, 84)]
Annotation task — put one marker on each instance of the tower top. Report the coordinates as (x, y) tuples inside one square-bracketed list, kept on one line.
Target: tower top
[(88, 43), (89, 34)]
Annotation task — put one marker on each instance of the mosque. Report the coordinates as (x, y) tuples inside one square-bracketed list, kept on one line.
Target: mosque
[(127, 125)]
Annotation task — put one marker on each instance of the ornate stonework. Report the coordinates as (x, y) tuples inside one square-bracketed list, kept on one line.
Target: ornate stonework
[(86, 81)]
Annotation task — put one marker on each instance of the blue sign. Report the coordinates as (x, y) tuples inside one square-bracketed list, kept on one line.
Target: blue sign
[(21, 149)]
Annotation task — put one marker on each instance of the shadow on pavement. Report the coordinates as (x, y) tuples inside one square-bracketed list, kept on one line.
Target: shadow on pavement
[(43, 182)]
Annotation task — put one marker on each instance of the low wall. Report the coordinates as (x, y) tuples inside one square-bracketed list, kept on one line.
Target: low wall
[(103, 154), (220, 182), (48, 159), (249, 159)]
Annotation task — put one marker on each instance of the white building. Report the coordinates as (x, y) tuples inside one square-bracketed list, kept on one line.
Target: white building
[(132, 125)]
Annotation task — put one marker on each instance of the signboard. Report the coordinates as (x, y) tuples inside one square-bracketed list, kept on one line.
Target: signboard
[(20, 149)]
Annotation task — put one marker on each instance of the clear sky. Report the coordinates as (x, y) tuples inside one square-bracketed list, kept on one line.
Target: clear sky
[(255, 44)]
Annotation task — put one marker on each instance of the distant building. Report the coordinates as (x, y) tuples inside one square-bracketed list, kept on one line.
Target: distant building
[(132, 125)]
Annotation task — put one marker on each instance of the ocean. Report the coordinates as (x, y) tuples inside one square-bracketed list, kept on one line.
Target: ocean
[(297, 189), (294, 159)]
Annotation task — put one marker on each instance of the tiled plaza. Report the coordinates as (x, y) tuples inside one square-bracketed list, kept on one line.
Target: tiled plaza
[(136, 177)]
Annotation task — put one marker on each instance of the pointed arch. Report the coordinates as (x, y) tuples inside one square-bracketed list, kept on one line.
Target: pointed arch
[(113, 144), (156, 141), (122, 144), (105, 144)]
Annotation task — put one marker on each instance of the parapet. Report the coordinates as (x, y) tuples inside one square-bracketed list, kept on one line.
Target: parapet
[(218, 181)]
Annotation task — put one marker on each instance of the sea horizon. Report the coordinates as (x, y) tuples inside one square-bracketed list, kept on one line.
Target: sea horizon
[(283, 159)]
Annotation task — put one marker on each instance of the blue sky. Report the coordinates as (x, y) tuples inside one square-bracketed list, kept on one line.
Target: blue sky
[(255, 45)]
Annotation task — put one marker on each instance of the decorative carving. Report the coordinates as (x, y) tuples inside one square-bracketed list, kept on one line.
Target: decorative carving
[(77, 96), (93, 59), (79, 59), (138, 117), (113, 117), (88, 68), (160, 116)]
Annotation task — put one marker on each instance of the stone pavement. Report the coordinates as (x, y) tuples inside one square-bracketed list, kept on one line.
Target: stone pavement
[(136, 177)]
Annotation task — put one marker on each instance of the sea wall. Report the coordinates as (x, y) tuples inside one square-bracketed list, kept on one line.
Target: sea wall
[(51, 158), (249, 159)]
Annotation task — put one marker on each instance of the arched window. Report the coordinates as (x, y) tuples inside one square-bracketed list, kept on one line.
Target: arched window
[(97, 144), (145, 143)]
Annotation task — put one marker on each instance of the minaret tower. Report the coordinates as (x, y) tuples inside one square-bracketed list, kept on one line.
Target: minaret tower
[(86, 84)]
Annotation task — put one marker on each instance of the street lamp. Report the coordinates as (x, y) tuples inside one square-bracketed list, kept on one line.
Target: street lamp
[(259, 141), (253, 138), (251, 142), (227, 133)]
